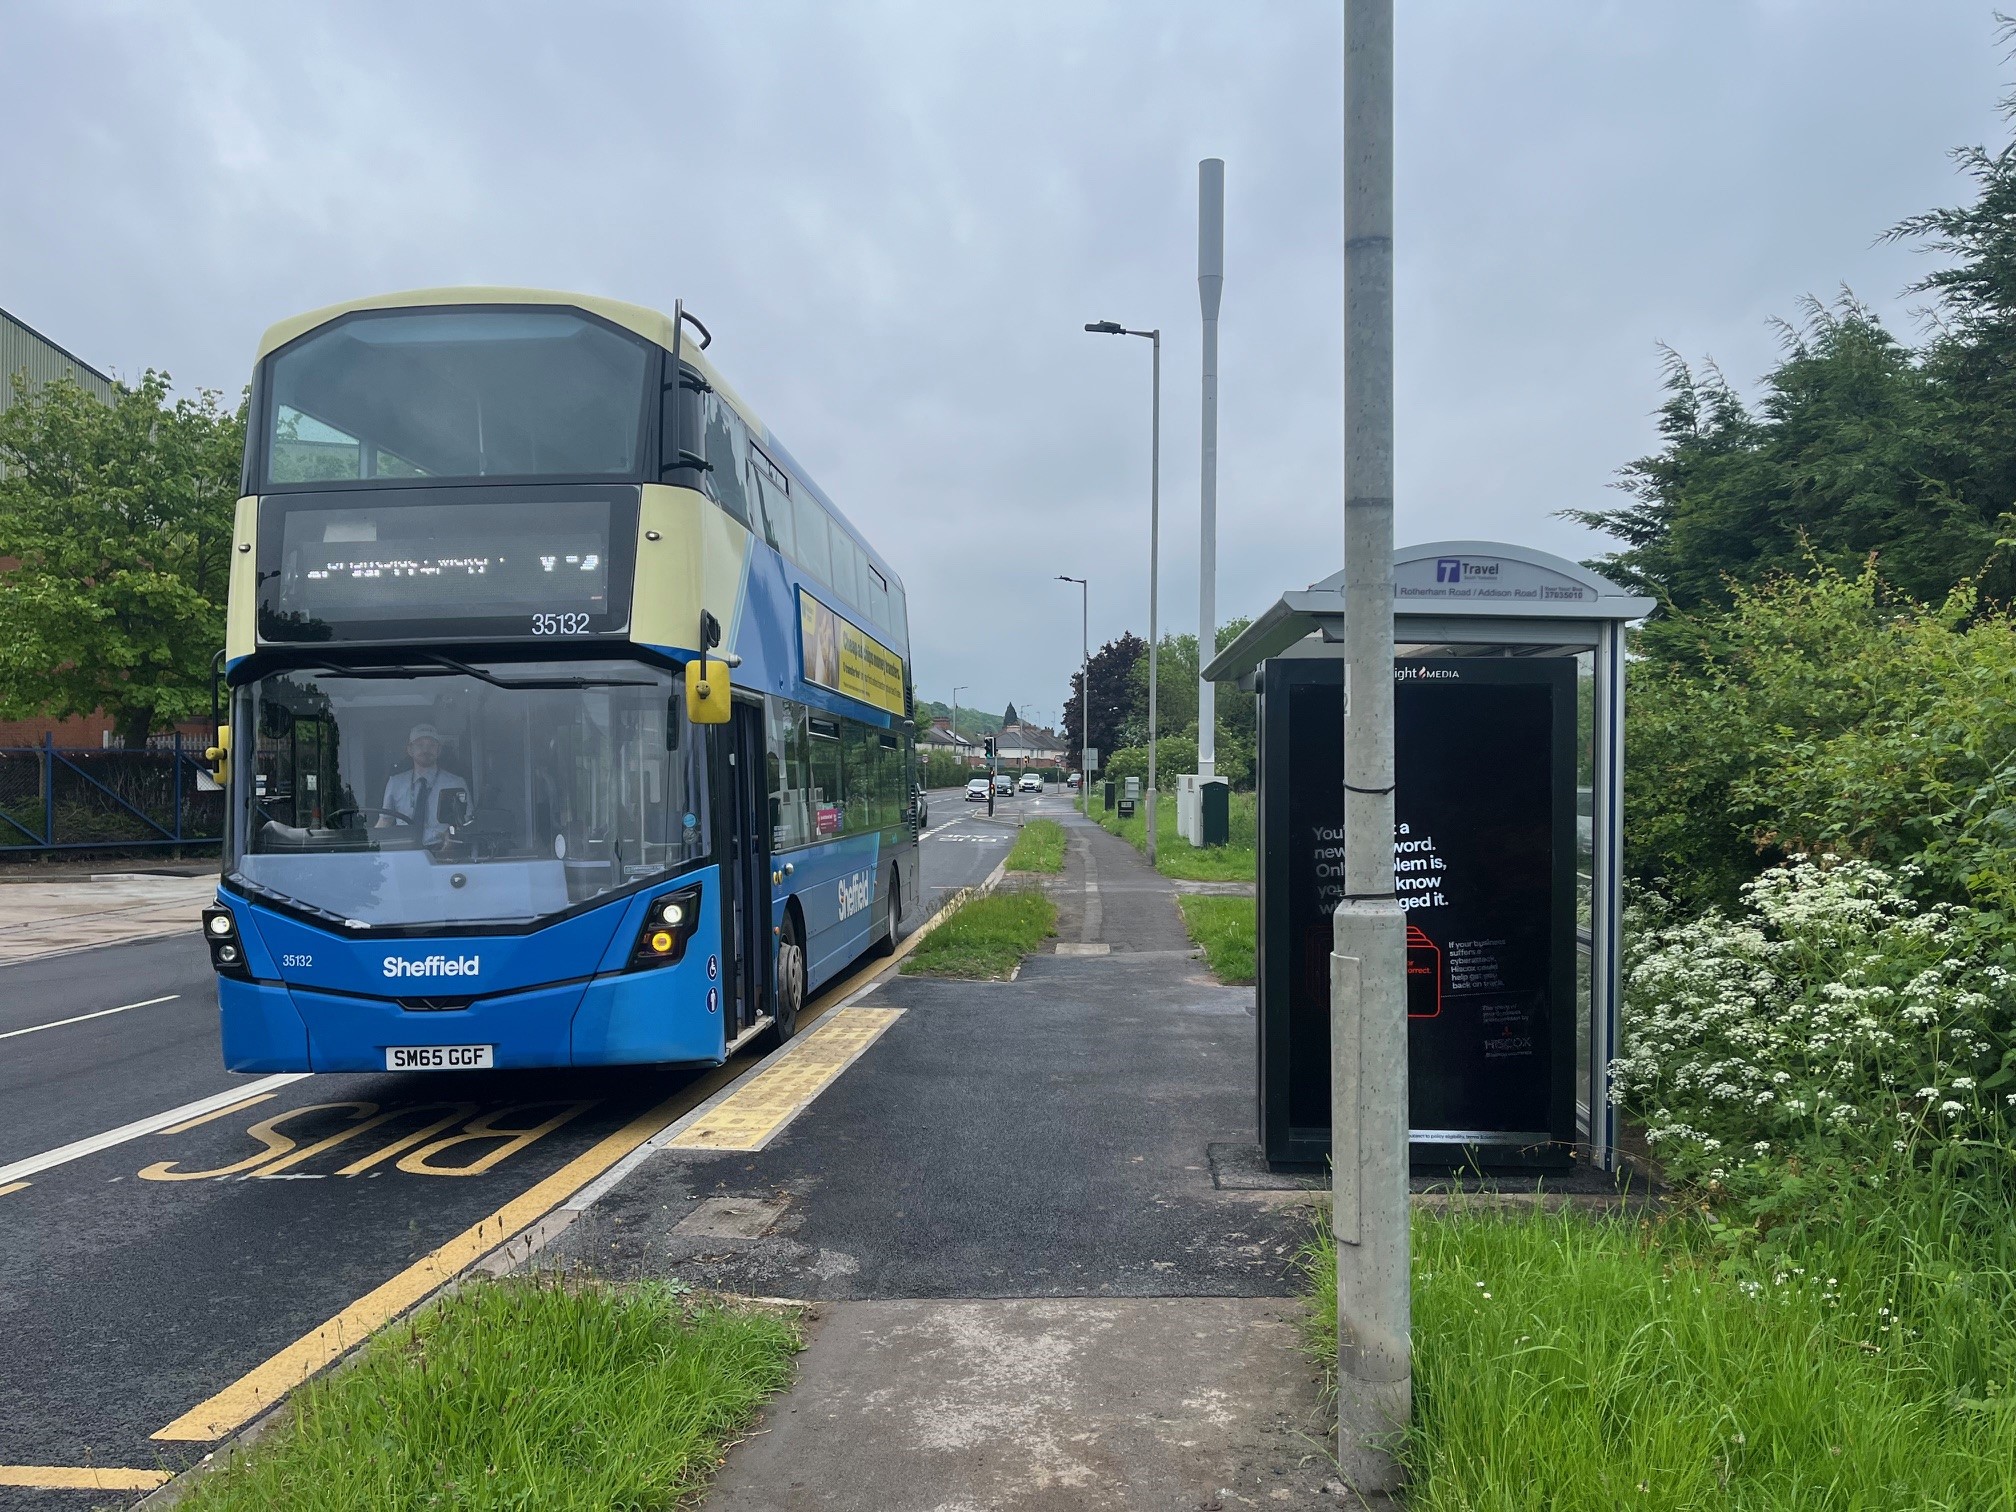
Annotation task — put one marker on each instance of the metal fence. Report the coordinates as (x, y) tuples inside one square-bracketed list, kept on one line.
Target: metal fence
[(75, 800)]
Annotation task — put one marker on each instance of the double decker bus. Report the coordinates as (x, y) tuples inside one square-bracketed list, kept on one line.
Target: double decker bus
[(567, 721)]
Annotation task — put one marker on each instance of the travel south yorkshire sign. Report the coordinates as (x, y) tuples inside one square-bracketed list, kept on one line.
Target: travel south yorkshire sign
[(1474, 578), (840, 655)]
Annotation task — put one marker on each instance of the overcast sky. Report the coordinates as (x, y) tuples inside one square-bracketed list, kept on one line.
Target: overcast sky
[(896, 218)]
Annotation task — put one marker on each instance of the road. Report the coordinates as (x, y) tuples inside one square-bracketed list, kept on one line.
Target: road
[(142, 1274)]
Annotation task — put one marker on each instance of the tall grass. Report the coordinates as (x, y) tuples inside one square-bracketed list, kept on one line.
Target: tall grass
[(521, 1394), (1236, 861), (986, 937), (1573, 1362), (1227, 929), (1039, 848)]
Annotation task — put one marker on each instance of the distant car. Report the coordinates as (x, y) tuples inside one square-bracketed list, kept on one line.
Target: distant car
[(1073, 781), (976, 790), (923, 805), (1031, 783), (1004, 785)]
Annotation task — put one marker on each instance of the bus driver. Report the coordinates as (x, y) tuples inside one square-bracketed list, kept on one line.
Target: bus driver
[(415, 794)]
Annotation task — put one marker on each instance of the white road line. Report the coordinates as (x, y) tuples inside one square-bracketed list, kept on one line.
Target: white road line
[(101, 1013), (139, 1128)]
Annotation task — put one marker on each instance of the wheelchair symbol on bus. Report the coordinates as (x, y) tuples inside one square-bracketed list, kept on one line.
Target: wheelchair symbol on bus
[(713, 967)]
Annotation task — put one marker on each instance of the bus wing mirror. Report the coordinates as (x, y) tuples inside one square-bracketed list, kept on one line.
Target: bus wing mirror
[(219, 756), (707, 691)]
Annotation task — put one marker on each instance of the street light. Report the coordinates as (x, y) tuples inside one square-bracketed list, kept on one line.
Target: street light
[(956, 691), (1114, 328), (1084, 679)]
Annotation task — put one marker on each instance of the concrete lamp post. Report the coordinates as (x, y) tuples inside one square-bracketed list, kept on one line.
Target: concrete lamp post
[(1084, 675), (1114, 328)]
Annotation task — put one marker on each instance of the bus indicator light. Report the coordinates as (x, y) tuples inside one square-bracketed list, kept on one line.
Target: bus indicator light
[(661, 941)]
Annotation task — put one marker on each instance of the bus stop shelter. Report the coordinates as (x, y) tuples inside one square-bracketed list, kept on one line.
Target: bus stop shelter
[(1508, 851)]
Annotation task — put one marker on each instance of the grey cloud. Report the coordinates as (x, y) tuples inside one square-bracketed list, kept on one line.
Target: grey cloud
[(896, 218)]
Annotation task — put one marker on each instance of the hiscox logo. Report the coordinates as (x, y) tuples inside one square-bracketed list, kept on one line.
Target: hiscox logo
[(855, 891), (1456, 570), (433, 966)]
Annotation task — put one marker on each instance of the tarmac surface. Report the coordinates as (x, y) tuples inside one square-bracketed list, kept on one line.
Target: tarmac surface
[(149, 1271), (1029, 1290)]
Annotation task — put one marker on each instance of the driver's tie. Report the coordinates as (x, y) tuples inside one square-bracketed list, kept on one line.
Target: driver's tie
[(419, 814)]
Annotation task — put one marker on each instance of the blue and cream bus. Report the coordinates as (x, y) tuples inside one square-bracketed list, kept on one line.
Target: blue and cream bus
[(568, 721)]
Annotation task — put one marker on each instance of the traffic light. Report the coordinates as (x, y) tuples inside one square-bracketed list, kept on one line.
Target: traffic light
[(989, 745)]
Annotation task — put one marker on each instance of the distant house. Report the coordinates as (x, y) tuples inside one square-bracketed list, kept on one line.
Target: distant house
[(1024, 745), (941, 737)]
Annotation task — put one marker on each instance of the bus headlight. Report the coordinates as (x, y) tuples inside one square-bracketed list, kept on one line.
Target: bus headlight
[(668, 924), (227, 954)]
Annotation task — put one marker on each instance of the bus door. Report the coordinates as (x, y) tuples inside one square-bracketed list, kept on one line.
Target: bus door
[(747, 874)]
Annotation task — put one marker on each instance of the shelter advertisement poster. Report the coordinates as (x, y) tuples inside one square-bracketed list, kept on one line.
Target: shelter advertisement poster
[(840, 655), (1483, 857)]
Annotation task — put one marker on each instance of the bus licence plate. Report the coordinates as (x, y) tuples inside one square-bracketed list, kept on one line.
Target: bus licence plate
[(440, 1057)]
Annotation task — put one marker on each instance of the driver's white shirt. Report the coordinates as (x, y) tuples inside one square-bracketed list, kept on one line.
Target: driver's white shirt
[(402, 787)]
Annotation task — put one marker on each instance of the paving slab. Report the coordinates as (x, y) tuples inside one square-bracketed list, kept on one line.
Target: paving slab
[(1059, 1405), (49, 918)]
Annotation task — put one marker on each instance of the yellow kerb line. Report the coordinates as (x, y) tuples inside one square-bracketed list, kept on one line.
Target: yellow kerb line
[(262, 1387), (12, 1186), (758, 1110), (82, 1478)]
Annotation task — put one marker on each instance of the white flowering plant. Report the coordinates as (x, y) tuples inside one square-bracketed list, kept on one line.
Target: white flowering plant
[(1835, 1034)]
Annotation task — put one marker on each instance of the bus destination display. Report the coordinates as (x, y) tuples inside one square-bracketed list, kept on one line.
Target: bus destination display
[(541, 569)]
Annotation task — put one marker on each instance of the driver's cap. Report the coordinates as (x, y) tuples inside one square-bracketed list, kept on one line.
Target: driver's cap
[(423, 732)]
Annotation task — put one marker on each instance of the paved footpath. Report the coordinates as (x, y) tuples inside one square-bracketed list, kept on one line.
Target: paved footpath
[(1030, 1292), (51, 918)]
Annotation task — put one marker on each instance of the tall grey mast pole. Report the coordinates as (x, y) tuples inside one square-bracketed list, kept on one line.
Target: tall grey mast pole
[(1154, 573), (1368, 991), (1210, 281)]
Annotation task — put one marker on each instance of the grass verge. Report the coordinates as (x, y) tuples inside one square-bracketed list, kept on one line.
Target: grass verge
[(985, 937), (1577, 1363), (1236, 861), (521, 1394), (1039, 848), (1226, 928)]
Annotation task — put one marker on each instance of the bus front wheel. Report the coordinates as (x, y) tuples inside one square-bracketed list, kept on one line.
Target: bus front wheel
[(887, 944), (790, 979)]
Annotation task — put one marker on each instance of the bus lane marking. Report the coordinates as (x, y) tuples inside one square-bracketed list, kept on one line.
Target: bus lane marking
[(582, 1180), (82, 1478), (279, 1152), (159, 1123), (80, 1018), (759, 1110), (264, 1385)]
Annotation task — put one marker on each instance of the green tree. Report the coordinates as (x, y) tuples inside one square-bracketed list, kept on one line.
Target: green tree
[(1112, 694), (1010, 717), (1858, 444), (115, 543), (1828, 713)]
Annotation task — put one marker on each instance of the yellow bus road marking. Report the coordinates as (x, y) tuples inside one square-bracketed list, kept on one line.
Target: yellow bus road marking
[(34, 1165), (12, 1186), (263, 1386), (757, 1111), (202, 1118), (82, 1478)]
